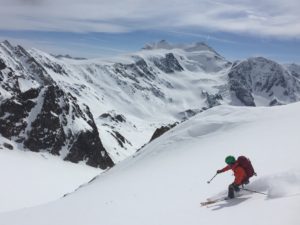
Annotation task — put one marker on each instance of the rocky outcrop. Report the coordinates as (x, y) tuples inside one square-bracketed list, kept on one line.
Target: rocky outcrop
[(88, 146), (2, 64), (212, 99), (294, 69), (13, 114), (160, 131), (112, 116), (46, 130), (168, 64), (45, 117), (51, 120)]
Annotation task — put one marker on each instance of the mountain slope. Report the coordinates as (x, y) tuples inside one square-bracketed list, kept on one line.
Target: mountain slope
[(165, 182), (38, 113), (118, 103), (147, 89)]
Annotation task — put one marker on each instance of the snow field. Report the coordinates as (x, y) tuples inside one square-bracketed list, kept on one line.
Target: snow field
[(166, 181), (29, 179)]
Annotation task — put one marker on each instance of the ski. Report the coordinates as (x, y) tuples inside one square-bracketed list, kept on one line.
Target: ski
[(208, 202)]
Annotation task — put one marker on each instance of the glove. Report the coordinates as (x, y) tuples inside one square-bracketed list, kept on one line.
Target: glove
[(219, 171)]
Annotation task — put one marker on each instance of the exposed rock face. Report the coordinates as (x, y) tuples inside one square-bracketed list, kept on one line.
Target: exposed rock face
[(212, 99), (160, 131), (51, 120), (8, 146), (88, 146), (113, 117), (13, 114), (2, 64), (112, 122), (169, 64), (120, 138), (242, 91), (45, 117), (294, 70), (187, 114)]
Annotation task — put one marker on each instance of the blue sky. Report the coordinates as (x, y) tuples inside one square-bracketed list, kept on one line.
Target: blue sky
[(237, 29)]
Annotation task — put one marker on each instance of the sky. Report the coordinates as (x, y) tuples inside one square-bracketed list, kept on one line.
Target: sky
[(237, 29)]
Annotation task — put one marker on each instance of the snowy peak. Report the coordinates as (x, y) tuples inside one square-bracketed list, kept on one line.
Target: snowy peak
[(260, 81), (20, 60), (6, 44), (163, 44), (199, 46), (67, 56), (194, 57)]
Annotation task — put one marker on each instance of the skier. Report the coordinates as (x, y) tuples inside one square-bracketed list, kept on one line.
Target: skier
[(242, 170)]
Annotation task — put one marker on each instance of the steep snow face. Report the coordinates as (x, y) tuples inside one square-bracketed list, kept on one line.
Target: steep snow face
[(259, 81), (166, 181)]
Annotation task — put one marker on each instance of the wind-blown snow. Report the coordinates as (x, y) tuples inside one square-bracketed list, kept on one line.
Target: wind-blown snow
[(165, 182)]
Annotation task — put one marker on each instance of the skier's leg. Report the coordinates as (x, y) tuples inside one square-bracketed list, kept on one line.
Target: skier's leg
[(230, 191)]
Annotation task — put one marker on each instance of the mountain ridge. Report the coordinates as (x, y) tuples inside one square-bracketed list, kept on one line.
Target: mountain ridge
[(147, 89)]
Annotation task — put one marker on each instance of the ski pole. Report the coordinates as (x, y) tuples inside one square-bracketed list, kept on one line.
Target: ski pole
[(212, 178), (245, 189)]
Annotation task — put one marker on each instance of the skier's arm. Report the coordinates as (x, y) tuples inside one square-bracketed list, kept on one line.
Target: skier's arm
[(226, 168)]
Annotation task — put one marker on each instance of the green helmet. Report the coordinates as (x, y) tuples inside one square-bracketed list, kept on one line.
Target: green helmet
[(230, 159)]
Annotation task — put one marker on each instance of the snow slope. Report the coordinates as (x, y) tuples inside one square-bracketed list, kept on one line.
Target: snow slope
[(29, 179), (165, 182)]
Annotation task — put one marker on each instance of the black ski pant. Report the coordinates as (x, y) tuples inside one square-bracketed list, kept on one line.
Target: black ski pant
[(231, 189)]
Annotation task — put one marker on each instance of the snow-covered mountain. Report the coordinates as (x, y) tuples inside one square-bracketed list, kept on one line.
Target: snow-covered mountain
[(259, 81), (103, 111), (166, 181), (36, 112), (294, 69)]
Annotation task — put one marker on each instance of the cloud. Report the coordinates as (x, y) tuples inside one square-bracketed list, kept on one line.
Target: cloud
[(25, 2), (74, 48), (265, 18)]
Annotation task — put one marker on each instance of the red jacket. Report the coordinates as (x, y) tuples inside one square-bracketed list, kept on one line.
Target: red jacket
[(239, 173)]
